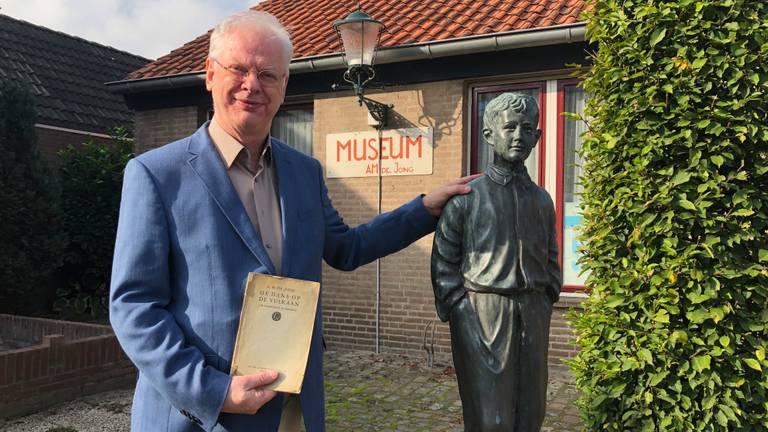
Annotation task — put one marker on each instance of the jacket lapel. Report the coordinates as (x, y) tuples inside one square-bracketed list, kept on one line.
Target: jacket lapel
[(287, 196), (208, 165)]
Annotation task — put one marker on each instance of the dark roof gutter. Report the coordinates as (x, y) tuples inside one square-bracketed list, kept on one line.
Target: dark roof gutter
[(187, 79)]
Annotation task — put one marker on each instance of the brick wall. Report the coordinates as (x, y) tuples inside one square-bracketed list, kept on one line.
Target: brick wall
[(51, 141), (161, 126), (33, 330), (407, 304), (561, 335), (69, 361)]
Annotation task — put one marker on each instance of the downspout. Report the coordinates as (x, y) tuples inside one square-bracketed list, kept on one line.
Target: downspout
[(378, 260)]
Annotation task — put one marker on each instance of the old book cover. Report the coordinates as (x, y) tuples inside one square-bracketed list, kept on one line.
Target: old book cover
[(275, 330)]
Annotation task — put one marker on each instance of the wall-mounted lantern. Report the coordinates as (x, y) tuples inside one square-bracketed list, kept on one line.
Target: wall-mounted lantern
[(359, 35)]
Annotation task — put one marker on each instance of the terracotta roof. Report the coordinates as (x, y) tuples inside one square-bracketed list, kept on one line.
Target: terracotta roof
[(66, 75), (407, 22)]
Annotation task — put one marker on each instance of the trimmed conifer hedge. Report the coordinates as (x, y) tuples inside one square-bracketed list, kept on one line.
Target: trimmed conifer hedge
[(675, 333), (31, 241)]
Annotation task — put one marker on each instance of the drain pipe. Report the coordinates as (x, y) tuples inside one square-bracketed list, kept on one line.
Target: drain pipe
[(378, 260)]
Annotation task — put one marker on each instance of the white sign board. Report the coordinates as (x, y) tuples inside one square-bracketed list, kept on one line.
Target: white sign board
[(356, 154)]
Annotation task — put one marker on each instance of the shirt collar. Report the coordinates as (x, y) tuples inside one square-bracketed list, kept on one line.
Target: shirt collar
[(230, 148), (503, 176)]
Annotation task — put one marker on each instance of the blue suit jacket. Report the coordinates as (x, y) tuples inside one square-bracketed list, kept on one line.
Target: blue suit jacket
[(184, 248)]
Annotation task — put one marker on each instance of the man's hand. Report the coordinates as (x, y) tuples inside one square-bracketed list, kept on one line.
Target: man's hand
[(246, 395), (435, 200)]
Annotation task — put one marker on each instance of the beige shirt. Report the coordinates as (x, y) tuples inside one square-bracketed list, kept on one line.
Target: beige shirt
[(254, 180)]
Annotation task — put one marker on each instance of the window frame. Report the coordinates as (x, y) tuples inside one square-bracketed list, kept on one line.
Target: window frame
[(287, 106), (560, 178), (476, 123)]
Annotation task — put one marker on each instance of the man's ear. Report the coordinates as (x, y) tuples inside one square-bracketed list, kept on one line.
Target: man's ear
[(285, 86), (488, 135), (538, 135), (208, 73)]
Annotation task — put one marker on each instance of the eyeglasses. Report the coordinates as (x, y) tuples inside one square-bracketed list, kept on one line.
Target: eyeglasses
[(266, 77)]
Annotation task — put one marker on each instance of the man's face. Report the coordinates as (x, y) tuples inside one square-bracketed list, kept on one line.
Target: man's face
[(514, 135), (244, 104)]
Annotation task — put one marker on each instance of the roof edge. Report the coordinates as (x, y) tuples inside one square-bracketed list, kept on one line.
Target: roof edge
[(165, 82), (552, 35)]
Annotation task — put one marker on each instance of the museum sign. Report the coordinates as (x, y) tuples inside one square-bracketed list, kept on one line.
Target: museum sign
[(358, 154)]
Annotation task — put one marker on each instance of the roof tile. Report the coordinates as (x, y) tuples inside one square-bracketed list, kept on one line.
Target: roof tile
[(310, 24)]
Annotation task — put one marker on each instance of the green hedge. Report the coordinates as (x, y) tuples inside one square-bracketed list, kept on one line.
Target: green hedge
[(91, 176), (675, 333), (31, 241)]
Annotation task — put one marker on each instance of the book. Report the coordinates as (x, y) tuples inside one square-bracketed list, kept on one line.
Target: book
[(275, 330)]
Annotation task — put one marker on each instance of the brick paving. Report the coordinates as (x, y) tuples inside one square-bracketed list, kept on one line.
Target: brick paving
[(364, 391), (386, 393)]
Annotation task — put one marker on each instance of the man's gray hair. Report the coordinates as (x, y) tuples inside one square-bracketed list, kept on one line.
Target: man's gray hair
[(245, 20), (519, 102)]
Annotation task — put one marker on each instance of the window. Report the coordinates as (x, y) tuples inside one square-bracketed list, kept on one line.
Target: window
[(571, 99), (482, 153), (293, 126)]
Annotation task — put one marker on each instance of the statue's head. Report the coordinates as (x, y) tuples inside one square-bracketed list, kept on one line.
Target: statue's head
[(510, 125)]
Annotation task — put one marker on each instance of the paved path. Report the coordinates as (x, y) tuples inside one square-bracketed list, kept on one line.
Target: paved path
[(365, 392), (368, 392)]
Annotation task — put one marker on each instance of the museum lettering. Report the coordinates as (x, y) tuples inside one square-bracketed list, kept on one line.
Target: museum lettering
[(399, 147)]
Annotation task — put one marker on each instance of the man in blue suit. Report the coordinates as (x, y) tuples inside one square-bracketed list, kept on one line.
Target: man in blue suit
[(200, 213)]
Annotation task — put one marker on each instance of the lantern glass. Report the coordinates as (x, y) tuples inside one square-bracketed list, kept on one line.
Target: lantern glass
[(360, 40)]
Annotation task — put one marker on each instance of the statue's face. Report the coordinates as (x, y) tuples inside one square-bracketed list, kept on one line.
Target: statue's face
[(514, 135)]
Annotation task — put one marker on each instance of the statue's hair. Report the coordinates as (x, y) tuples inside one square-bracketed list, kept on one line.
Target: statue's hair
[(245, 20), (519, 102)]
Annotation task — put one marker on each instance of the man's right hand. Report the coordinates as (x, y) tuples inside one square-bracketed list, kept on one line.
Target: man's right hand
[(246, 395)]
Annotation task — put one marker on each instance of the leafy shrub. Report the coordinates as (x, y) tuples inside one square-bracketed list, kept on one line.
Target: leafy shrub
[(91, 176), (30, 239), (675, 333)]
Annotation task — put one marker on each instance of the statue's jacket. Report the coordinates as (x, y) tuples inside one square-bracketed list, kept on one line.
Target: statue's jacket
[(500, 238)]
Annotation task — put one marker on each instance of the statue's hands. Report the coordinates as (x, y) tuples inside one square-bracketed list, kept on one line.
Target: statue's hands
[(553, 295), (458, 308), (435, 200), (246, 393)]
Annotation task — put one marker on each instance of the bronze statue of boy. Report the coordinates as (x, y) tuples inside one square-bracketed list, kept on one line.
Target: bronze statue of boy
[(495, 275)]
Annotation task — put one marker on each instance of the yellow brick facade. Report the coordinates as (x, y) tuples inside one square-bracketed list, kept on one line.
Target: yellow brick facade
[(407, 304)]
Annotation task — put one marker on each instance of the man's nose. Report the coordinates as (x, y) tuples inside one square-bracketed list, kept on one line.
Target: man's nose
[(251, 82)]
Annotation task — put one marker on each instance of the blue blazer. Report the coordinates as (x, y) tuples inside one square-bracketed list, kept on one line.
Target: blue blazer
[(184, 248)]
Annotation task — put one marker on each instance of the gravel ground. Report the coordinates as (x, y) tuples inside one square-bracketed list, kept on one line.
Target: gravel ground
[(365, 392), (103, 412)]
